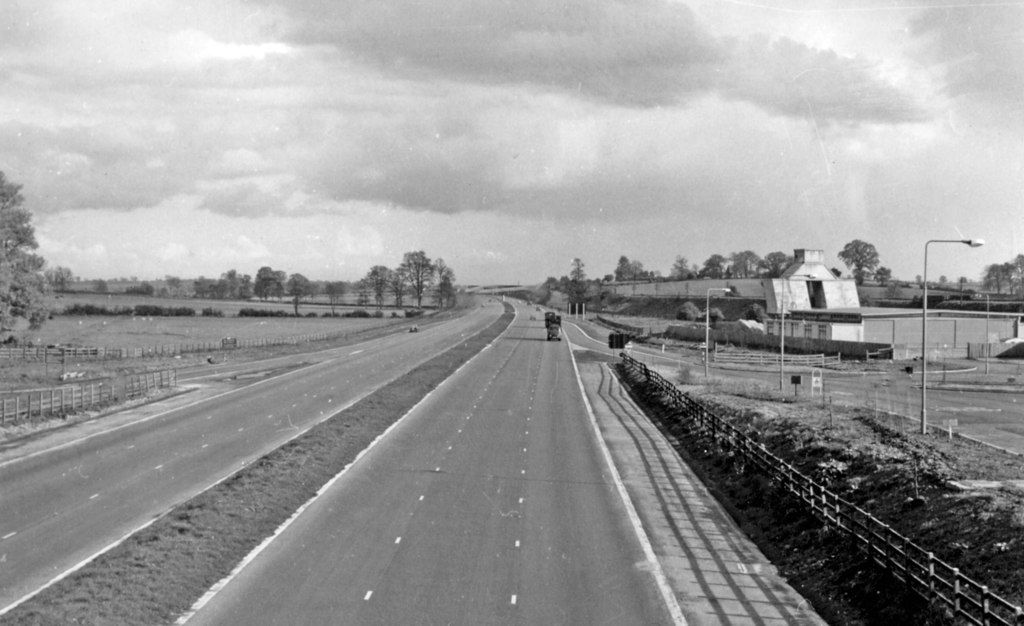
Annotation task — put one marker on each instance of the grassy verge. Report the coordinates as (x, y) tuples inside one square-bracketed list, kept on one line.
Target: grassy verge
[(158, 573), (905, 479)]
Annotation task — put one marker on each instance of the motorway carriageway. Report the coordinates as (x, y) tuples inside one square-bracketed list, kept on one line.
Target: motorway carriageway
[(493, 502), (68, 495)]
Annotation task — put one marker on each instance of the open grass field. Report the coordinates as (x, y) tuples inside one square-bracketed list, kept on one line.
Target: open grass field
[(133, 332), (318, 305), (129, 331)]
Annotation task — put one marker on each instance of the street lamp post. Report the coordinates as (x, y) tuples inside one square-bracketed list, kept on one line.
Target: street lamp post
[(782, 346), (988, 347), (974, 243), (707, 324)]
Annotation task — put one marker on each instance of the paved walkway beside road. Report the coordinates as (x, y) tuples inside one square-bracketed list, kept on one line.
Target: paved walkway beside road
[(717, 573)]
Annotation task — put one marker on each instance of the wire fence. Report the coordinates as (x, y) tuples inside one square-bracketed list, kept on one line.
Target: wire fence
[(55, 354), (22, 406), (761, 358), (916, 567)]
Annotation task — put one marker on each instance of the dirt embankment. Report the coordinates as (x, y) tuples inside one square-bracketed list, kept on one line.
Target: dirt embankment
[(906, 480)]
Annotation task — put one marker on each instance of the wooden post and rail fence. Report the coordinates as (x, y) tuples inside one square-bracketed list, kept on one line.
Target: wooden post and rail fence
[(20, 406), (56, 353), (919, 569), (762, 358)]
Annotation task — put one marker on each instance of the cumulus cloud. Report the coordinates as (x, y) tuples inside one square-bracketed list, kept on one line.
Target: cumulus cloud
[(796, 80), (638, 54), (980, 48)]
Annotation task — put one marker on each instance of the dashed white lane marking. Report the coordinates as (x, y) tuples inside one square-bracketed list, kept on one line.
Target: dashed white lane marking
[(356, 352), (437, 469), (517, 543), (514, 599), (241, 429), (522, 471), (130, 447), (206, 445), (159, 466), (449, 447), (94, 496), (520, 500), (219, 585), (421, 498), (8, 535), (368, 595), (398, 540)]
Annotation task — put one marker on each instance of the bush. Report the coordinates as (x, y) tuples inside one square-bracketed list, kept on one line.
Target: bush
[(263, 313), (716, 316), (330, 314), (311, 314), (357, 313), (92, 309), (394, 314), (755, 312), (212, 312), (152, 310), (378, 314), (686, 376), (688, 312), (145, 289), (413, 312)]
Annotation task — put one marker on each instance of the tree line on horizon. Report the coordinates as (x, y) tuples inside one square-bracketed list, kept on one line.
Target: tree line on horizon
[(417, 276), (25, 280), (859, 256)]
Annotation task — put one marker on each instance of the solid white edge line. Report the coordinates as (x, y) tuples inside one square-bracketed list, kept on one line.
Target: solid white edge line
[(239, 390), (219, 585), (667, 594), (73, 442), (232, 472), (76, 567)]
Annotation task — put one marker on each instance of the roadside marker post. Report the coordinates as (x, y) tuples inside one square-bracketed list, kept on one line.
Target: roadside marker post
[(816, 385)]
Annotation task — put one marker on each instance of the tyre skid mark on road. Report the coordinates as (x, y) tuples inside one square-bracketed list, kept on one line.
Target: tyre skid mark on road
[(677, 490), (661, 581)]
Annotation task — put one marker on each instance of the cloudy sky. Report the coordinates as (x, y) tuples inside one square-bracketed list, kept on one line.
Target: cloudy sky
[(181, 137)]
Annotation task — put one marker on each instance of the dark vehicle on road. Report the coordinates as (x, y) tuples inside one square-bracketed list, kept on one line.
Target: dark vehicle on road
[(553, 325)]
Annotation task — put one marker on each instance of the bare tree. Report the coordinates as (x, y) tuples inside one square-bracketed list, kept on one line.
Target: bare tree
[(59, 278), (445, 294), (420, 272), (397, 284), (378, 279), (334, 291)]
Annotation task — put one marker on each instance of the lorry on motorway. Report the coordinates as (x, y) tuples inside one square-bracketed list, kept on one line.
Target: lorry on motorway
[(553, 325)]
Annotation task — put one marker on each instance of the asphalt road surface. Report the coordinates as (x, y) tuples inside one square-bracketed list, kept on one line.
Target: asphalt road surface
[(489, 503), (72, 493), (497, 501)]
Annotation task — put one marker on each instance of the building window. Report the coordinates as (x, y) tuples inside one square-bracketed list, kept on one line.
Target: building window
[(822, 331)]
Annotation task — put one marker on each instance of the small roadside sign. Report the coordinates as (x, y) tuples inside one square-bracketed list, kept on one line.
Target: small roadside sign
[(816, 385)]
